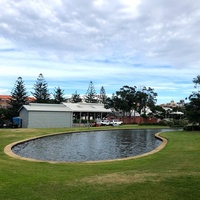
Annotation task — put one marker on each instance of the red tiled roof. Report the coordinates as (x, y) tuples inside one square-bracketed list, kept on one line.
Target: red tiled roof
[(5, 97), (31, 98), (9, 97)]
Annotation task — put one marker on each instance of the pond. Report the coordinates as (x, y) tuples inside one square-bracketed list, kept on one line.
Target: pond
[(90, 146)]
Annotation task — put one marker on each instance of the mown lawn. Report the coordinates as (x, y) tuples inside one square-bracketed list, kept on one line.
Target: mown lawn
[(173, 173)]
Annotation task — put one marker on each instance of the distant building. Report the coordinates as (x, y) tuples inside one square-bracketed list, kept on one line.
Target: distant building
[(5, 101), (173, 104)]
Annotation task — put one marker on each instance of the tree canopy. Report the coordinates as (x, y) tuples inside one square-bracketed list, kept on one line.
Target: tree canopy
[(91, 95), (129, 98), (193, 107), (41, 92), (18, 96), (102, 96), (58, 95), (76, 98)]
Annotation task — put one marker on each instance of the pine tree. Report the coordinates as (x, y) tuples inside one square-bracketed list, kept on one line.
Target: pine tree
[(103, 96), (19, 97), (58, 95), (41, 92), (76, 98), (90, 96)]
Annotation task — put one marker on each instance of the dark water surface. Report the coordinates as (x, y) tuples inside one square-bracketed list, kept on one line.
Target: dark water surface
[(90, 146)]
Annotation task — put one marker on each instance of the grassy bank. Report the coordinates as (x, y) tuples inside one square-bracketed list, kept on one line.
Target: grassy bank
[(173, 173)]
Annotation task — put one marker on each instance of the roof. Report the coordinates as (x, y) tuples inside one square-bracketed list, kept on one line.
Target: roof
[(176, 113), (31, 98), (5, 97), (87, 107), (10, 97), (46, 107)]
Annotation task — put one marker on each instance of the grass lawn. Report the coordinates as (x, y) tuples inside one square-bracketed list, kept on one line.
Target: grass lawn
[(171, 174)]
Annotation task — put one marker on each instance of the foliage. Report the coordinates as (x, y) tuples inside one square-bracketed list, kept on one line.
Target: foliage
[(129, 98), (192, 128), (58, 95), (18, 97), (41, 92), (103, 96), (124, 100), (158, 112), (193, 107), (146, 97), (163, 123), (174, 122), (91, 96), (76, 98)]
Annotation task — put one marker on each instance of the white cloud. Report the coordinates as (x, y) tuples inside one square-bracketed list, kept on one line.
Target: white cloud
[(113, 43)]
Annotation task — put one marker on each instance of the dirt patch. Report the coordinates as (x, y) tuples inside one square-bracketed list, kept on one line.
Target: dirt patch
[(121, 178), (128, 178)]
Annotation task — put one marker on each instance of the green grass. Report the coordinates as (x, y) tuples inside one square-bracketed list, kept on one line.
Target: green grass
[(173, 173)]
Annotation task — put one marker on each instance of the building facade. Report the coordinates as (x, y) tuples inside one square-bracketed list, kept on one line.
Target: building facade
[(37, 115), (4, 101)]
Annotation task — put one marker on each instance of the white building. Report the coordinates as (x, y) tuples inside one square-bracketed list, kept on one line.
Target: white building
[(37, 115)]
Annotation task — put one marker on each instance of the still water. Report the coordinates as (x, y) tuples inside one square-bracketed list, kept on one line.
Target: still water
[(90, 146)]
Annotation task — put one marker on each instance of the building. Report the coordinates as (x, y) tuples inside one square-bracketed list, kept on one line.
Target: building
[(172, 104), (4, 101), (87, 111), (131, 118), (37, 115)]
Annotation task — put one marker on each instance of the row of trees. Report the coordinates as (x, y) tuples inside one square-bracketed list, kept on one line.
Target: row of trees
[(42, 95), (126, 100), (129, 99), (19, 95)]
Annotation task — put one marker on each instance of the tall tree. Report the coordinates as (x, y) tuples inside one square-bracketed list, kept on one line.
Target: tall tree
[(76, 98), (193, 107), (102, 96), (129, 98), (146, 97), (124, 100), (58, 95), (41, 92), (19, 96), (91, 96)]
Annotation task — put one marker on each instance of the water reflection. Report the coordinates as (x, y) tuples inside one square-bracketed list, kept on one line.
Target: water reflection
[(90, 146)]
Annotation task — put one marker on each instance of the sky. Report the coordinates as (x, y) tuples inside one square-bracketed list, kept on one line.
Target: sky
[(152, 43)]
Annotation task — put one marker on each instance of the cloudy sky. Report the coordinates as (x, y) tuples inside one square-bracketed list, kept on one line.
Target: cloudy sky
[(152, 43)]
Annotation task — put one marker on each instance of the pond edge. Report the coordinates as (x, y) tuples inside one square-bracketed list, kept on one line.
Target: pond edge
[(9, 152)]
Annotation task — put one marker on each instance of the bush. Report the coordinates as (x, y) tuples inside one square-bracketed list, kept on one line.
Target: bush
[(162, 123), (174, 122), (192, 128)]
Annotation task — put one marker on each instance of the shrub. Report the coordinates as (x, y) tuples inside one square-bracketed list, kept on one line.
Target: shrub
[(192, 128), (163, 123)]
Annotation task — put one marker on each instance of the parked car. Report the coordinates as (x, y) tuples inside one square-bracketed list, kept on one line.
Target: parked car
[(105, 123), (115, 122)]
